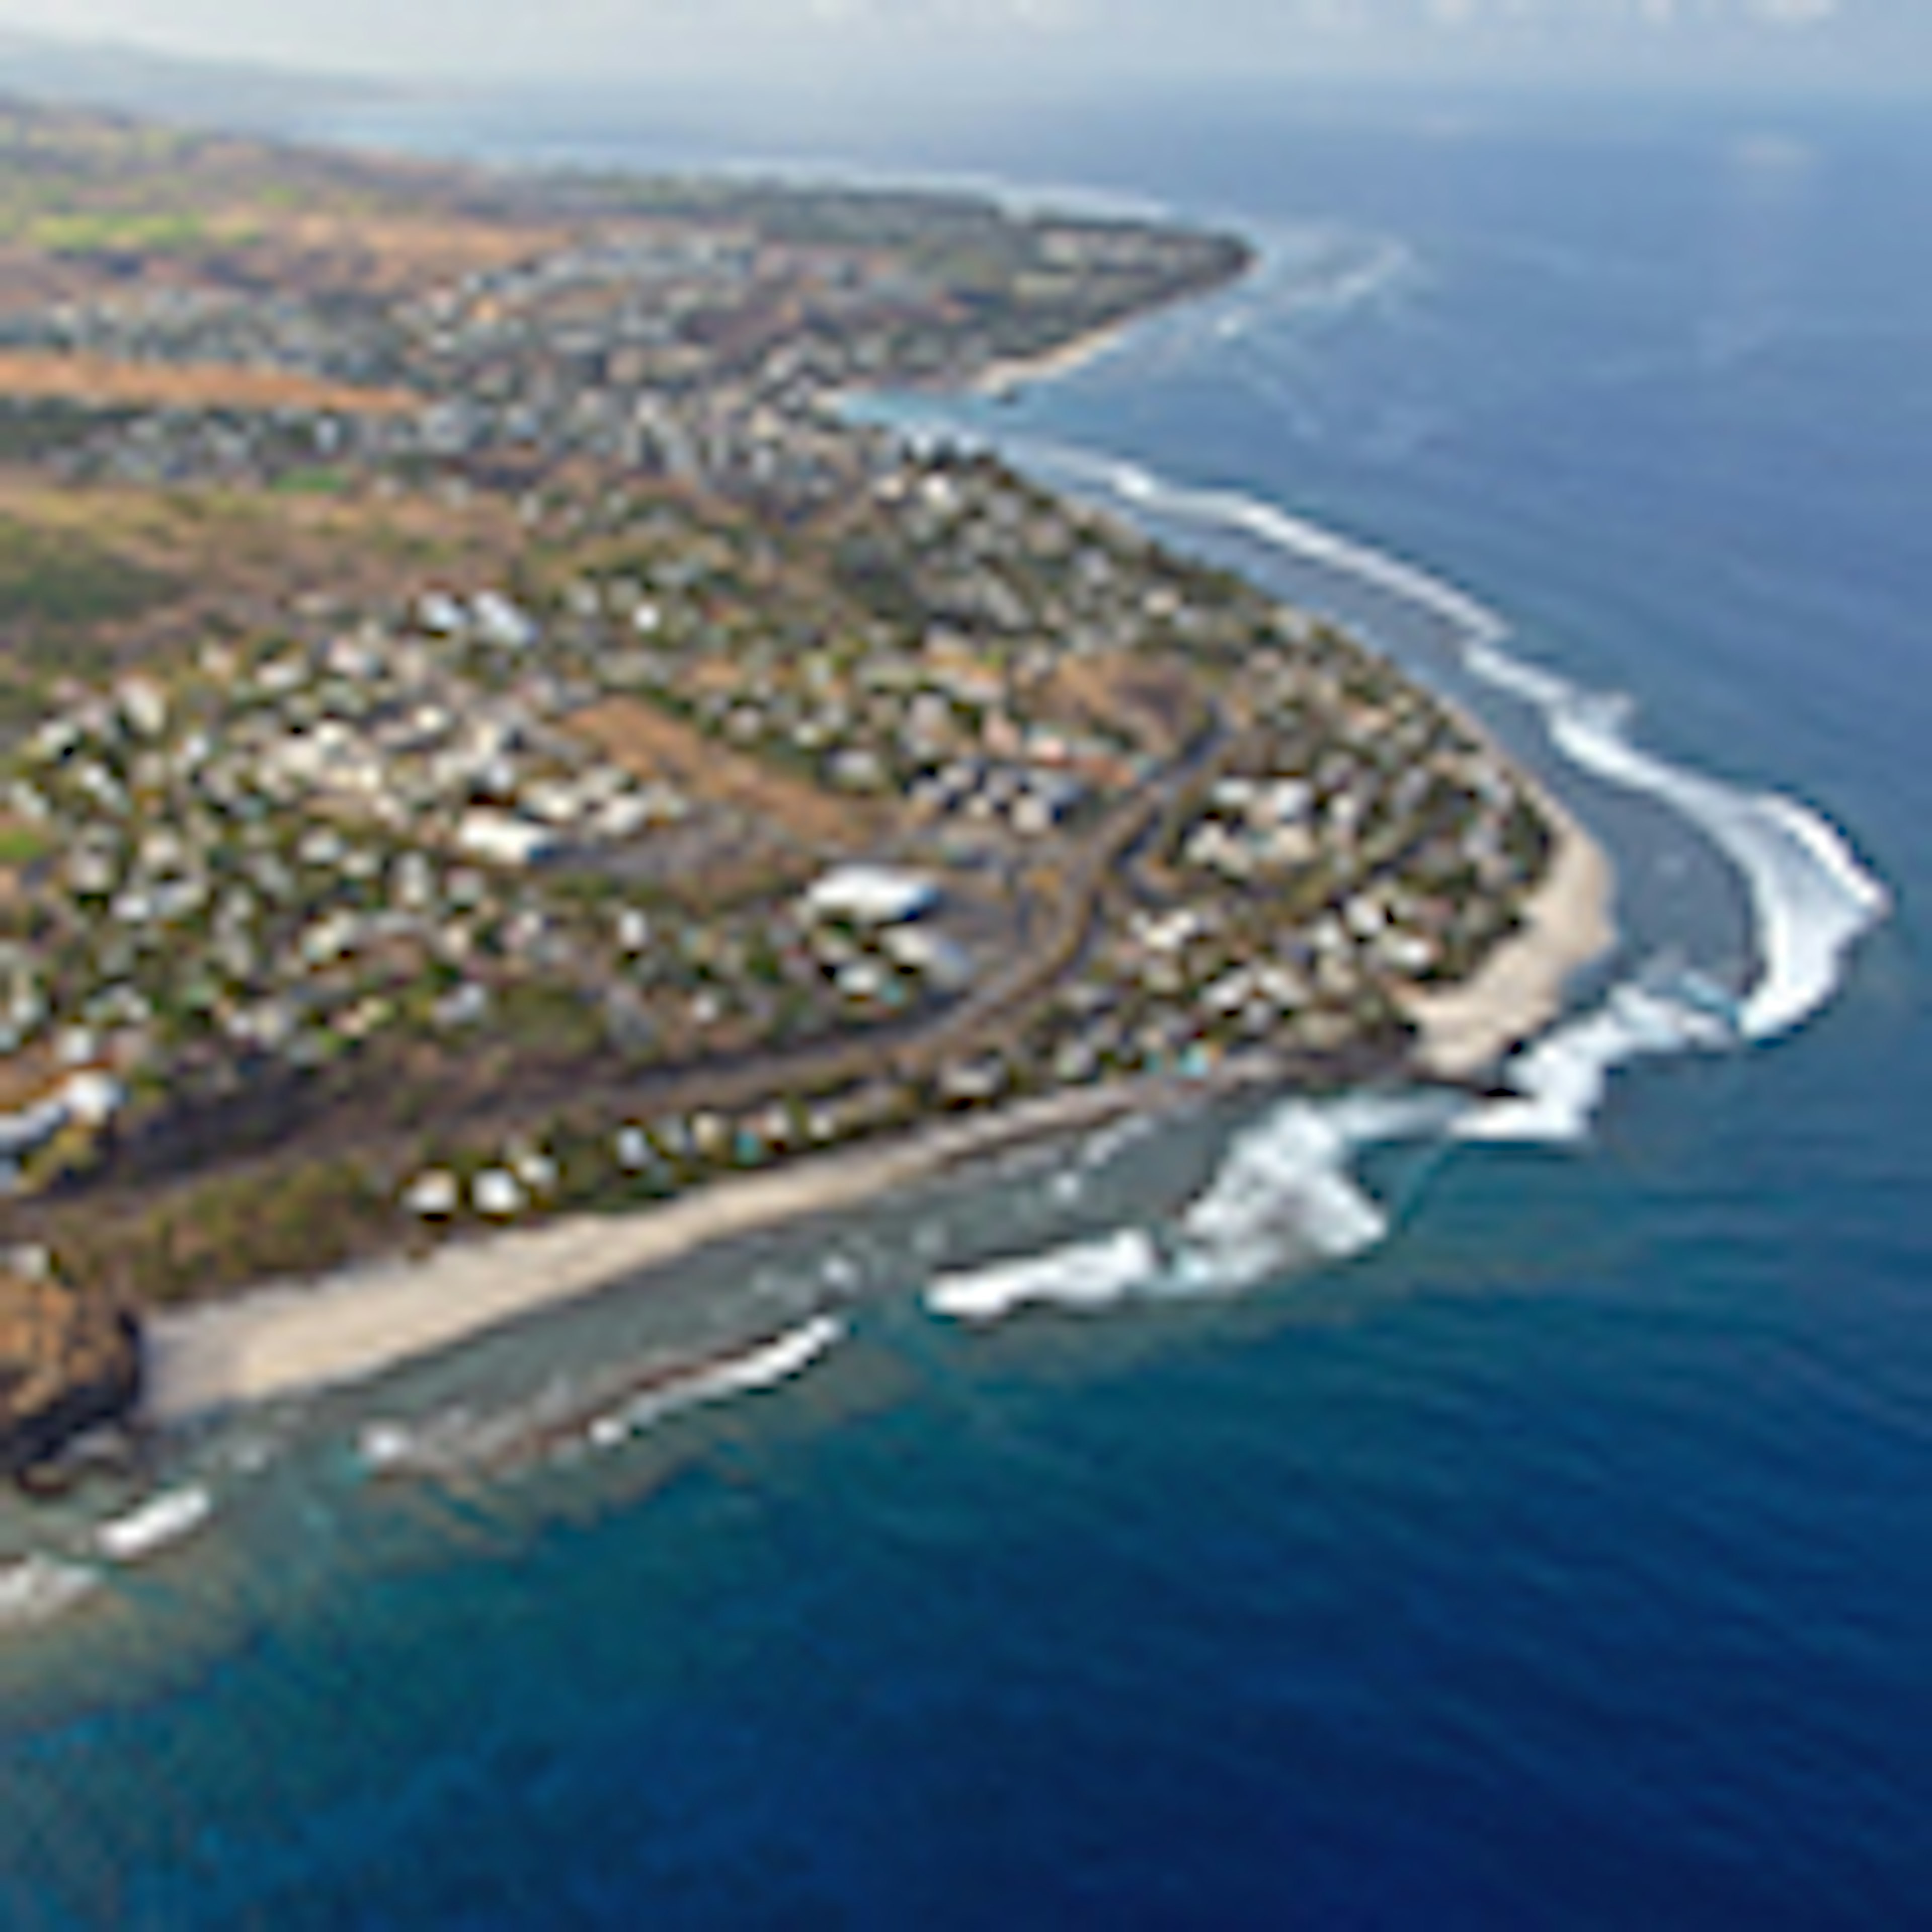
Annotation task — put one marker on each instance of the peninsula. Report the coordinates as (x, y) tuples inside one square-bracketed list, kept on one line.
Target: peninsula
[(485, 741)]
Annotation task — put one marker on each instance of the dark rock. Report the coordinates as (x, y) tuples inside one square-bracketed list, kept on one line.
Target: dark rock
[(70, 1362)]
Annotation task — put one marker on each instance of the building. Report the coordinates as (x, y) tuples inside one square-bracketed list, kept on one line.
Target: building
[(871, 896)]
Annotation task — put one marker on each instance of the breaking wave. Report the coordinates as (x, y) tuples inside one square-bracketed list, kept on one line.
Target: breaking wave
[(1138, 488), (1087, 1275), (566, 1415), (762, 1368), (1558, 1082), (37, 1589), (1811, 899), (161, 1520), (1287, 1193)]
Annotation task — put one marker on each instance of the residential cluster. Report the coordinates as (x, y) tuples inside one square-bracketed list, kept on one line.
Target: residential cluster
[(781, 784), (701, 342)]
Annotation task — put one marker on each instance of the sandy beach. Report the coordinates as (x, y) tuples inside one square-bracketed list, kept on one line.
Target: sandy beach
[(998, 378), (290, 1337), (1568, 921)]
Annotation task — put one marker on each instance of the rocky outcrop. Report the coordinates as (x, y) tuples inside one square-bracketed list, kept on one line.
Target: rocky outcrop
[(69, 1362)]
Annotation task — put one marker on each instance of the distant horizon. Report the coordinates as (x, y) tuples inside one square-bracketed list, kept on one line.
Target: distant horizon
[(803, 52)]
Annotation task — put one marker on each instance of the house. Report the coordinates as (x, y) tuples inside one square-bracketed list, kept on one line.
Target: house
[(498, 1194), (89, 1098), (499, 622), (503, 838), (434, 1195)]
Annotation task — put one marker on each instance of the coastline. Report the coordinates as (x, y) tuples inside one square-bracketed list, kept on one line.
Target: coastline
[(1008, 374), (1568, 921), (297, 1336), (294, 1337)]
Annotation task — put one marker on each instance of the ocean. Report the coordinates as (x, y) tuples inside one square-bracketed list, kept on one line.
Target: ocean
[(1379, 1513)]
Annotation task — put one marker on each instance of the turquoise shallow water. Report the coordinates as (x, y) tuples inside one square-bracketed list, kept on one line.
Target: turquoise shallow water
[(1561, 1559)]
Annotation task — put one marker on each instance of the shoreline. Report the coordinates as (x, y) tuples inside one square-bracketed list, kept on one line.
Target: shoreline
[(1569, 922), (297, 1336), (294, 1337), (1008, 374)]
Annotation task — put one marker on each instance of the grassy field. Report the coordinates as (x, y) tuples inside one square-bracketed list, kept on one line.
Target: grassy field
[(56, 582), (95, 578)]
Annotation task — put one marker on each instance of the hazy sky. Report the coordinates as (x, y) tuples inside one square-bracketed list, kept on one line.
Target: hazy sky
[(1883, 41)]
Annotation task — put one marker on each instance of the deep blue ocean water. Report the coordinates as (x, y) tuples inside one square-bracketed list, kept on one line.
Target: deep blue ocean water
[(1564, 1560)]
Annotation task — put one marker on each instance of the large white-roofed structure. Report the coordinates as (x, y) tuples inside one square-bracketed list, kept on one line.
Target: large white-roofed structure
[(871, 894)]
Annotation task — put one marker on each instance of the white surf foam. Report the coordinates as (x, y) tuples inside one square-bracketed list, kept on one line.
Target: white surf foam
[(1255, 517), (161, 1520), (780, 1360), (1087, 1275), (1559, 1080), (1286, 1194), (1811, 898), (37, 1589), (461, 1440)]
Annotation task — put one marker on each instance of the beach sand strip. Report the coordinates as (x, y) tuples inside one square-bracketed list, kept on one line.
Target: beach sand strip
[(292, 1337), (1568, 923)]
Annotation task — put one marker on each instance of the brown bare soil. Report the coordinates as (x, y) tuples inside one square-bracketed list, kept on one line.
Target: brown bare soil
[(395, 253), (25, 1079), (1149, 702), (653, 745), (229, 558), (100, 382)]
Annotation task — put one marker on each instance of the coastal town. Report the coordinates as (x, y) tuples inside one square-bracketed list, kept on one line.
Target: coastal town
[(485, 736)]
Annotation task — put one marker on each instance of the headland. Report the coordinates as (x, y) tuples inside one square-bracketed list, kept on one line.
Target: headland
[(493, 763)]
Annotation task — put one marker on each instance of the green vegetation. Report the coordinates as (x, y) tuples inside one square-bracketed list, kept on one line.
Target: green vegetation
[(22, 844), (115, 231), (231, 1229), (56, 583), (484, 751), (321, 481)]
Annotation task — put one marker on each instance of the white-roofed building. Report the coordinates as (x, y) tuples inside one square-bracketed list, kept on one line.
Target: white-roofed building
[(502, 838), (871, 896)]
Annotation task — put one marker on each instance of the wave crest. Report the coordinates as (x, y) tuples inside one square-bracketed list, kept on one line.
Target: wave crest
[(1287, 1193), (1811, 899)]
